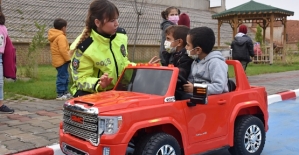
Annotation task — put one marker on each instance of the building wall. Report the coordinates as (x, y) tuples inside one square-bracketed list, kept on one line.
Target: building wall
[(219, 9), (277, 34), (43, 57), (194, 4), (292, 47), (143, 54)]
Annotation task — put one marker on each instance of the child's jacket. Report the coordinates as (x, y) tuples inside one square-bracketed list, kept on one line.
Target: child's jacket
[(9, 60), (59, 47)]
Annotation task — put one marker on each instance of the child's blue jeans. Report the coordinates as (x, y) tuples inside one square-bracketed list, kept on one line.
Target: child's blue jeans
[(62, 79)]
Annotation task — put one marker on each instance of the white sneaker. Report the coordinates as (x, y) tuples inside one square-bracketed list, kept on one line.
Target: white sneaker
[(69, 95), (61, 98)]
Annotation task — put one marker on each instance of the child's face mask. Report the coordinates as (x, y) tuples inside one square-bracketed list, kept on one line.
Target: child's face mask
[(174, 19), (193, 56), (167, 45)]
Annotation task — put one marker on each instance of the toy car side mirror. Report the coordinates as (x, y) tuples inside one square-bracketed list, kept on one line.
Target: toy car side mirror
[(200, 95)]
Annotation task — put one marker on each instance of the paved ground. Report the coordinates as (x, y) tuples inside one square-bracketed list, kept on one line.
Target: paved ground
[(35, 122)]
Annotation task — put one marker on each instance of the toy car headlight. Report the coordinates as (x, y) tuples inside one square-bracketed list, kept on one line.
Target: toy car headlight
[(109, 124)]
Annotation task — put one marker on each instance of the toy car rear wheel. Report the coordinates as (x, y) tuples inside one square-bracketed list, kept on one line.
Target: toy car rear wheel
[(249, 136), (158, 144)]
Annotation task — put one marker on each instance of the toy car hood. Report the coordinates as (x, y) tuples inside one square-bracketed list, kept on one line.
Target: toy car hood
[(115, 100)]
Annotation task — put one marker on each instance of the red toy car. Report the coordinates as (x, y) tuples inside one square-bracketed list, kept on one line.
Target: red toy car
[(141, 116)]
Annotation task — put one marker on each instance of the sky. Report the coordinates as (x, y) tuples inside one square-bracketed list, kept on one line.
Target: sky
[(290, 5)]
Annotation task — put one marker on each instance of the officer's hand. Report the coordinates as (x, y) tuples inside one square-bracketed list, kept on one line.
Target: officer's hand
[(105, 80)]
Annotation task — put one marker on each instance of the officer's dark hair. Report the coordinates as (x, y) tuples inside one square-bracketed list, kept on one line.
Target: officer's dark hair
[(2, 17), (59, 23), (101, 10), (178, 32), (202, 37)]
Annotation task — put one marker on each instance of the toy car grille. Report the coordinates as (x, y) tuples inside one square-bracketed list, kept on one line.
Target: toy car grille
[(85, 125)]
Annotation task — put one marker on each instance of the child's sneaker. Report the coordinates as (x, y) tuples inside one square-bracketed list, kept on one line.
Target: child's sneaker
[(68, 95), (61, 97), (5, 110)]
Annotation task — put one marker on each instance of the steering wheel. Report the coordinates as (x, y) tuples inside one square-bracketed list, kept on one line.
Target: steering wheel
[(181, 81)]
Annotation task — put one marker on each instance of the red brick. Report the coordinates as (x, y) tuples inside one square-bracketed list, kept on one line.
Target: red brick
[(24, 119), (46, 113), (14, 116)]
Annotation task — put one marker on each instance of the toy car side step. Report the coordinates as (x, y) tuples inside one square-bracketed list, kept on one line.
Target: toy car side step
[(214, 151)]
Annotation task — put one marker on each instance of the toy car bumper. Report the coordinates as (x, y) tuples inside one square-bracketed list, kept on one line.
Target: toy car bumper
[(71, 145)]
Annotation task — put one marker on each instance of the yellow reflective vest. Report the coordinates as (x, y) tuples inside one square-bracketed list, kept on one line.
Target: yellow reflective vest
[(95, 56)]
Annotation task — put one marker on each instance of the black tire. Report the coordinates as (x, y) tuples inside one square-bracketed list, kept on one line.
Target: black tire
[(243, 135), (151, 144)]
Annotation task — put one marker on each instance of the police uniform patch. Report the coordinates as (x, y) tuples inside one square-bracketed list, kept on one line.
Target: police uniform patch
[(75, 63), (123, 50)]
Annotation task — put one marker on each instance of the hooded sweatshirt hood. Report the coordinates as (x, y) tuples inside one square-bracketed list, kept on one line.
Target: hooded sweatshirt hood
[(212, 70), (53, 34), (184, 20), (59, 47), (241, 38)]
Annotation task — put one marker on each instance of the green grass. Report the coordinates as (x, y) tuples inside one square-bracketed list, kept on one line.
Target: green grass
[(45, 86), (257, 69)]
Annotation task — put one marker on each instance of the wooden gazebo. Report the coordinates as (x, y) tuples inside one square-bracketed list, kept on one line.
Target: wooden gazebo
[(254, 12)]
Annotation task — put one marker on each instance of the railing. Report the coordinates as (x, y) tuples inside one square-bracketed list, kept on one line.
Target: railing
[(264, 56)]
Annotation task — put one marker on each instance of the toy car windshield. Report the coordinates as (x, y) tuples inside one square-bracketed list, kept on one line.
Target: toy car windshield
[(149, 81)]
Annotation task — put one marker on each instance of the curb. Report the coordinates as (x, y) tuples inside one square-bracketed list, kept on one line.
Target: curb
[(55, 149), (48, 150), (283, 96)]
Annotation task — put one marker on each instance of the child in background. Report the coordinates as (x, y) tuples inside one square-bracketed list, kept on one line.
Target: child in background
[(170, 17), (242, 47), (209, 66), (3, 39), (60, 58), (184, 20)]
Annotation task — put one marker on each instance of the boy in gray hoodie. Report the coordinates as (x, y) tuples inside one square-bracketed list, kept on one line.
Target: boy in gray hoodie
[(209, 66)]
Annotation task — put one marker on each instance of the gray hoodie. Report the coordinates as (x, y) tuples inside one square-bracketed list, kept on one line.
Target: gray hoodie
[(211, 70), (164, 25)]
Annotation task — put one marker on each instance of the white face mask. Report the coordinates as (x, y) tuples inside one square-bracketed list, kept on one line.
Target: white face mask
[(167, 45), (190, 55)]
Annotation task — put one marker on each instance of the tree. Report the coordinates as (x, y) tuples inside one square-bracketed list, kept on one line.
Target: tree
[(258, 35), (36, 46), (139, 11)]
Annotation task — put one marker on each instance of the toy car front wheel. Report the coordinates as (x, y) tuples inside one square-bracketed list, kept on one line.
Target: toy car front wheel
[(158, 144), (249, 136)]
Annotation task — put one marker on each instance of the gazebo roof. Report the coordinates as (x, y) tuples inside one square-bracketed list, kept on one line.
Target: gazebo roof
[(252, 7)]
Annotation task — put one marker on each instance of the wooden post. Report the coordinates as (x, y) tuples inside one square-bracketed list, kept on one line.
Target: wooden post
[(264, 35), (265, 25), (284, 40), (219, 25), (235, 26), (271, 38)]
